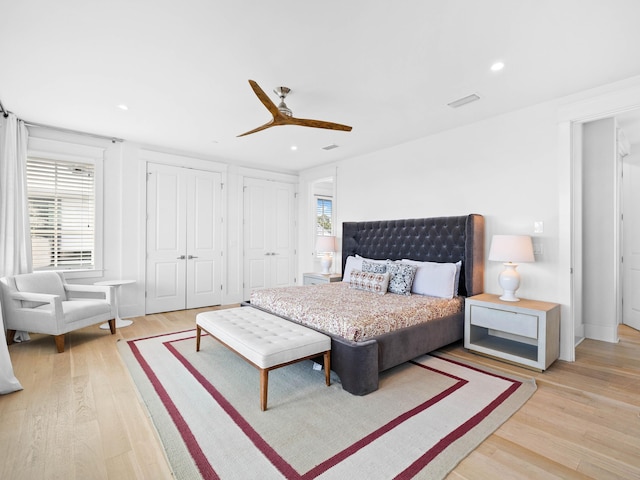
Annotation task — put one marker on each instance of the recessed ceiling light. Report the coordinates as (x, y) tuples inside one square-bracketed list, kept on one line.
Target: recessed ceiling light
[(293, 147), (496, 67), (122, 106)]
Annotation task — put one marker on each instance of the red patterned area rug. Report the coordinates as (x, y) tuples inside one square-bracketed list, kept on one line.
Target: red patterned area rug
[(426, 416)]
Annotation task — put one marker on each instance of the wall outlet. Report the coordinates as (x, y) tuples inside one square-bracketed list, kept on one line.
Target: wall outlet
[(537, 248)]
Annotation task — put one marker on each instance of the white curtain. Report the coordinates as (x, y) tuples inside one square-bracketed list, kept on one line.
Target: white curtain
[(15, 239)]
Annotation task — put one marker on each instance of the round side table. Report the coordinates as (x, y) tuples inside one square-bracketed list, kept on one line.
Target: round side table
[(116, 283)]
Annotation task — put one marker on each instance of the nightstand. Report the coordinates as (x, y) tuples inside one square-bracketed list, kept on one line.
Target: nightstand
[(526, 333), (318, 278)]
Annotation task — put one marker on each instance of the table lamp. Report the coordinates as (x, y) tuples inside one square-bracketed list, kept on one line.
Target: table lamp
[(326, 245), (510, 249)]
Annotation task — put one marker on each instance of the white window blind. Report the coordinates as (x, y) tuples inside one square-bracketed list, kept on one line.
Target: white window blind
[(324, 216), (62, 214)]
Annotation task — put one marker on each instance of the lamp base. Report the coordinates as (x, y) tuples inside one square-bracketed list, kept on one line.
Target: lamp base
[(509, 280), (509, 297), (325, 263)]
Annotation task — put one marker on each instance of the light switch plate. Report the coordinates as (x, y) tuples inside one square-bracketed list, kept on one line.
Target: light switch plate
[(538, 227)]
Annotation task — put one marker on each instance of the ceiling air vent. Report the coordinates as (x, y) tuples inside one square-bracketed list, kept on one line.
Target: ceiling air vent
[(330, 147), (464, 100)]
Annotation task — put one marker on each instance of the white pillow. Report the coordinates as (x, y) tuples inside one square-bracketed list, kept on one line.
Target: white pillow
[(352, 263), (433, 278), (458, 265), (371, 259), (355, 263)]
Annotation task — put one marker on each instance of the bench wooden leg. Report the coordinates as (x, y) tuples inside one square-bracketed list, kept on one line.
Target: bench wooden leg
[(112, 326), (10, 336), (59, 342), (327, 367), (264, 388), (198, 333)]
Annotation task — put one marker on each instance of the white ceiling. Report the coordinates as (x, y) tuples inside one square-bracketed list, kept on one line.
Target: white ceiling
[(386, 68)]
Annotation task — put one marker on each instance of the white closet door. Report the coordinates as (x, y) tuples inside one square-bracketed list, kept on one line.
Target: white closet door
[(166, 239), (183, 239), (269, 234), (631, 241), (283, 235), (204, 260), (256, 235)]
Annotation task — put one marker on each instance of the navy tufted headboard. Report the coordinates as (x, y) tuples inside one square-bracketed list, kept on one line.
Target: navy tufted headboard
[(438, 239)]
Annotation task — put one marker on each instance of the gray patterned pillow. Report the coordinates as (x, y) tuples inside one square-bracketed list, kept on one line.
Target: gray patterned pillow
[(374, 267), (401, 277), (369, 281)]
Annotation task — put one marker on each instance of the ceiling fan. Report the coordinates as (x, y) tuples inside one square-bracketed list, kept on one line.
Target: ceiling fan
[(282, 115)]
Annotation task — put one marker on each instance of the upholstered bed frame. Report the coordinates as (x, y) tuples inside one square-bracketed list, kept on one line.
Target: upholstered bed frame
[(440, 239), (437, 239)]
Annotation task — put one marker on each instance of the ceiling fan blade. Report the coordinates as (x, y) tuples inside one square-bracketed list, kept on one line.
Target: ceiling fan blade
[(266, 101), (260, 128), (306, 122)]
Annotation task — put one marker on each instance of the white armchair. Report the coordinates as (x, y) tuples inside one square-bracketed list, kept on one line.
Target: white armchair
[(44, 303)]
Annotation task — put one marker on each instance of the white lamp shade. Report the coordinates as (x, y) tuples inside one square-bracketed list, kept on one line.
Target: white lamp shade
[(326, 244), (511, 248)]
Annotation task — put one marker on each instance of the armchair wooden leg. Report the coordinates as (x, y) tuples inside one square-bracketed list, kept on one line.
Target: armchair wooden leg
[(59, 342), (10, 335), (112, 325)]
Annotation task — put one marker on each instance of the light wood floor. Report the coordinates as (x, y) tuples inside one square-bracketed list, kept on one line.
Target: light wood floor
[(80, 417)]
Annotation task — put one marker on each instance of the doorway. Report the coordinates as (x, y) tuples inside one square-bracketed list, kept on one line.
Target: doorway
[(270, 227), (611, 100), (606, 226)]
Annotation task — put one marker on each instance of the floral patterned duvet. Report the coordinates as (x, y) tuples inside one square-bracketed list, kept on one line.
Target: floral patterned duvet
[(353, 314)]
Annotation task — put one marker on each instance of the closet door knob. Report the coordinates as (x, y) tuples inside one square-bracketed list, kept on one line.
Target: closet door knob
[(191, 256), (181, 257)]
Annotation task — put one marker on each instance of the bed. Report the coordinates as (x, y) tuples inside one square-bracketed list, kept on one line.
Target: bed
[(357, 360)]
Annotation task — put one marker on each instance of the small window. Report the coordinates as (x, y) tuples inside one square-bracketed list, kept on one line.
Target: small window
[(62, 212), (324, 216)]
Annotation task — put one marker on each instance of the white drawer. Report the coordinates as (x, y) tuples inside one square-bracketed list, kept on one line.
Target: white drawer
[(510, 322)]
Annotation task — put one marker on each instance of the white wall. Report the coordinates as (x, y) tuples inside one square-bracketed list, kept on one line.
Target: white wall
[(503, 168)]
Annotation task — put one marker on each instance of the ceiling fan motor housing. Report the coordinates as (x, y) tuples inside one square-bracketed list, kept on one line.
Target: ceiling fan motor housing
[(282, 92)]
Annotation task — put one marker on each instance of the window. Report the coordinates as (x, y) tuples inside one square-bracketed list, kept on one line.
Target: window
[(324, 216), (62, 212)]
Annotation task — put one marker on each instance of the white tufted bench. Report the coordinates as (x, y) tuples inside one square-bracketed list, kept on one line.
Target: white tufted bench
[(266, 341)]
